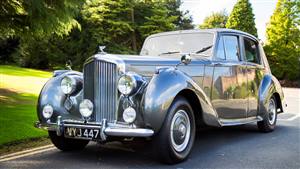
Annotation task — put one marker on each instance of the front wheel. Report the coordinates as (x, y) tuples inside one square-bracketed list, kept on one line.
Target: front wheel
[(66, 144), (176, 137), (269, 120)]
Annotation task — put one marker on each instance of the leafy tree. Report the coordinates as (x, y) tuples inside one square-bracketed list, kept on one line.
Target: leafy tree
[(7, 48), (242, 18), (283, 42), (37, 17), (159, 21), (215, 20), (184, 20), (108, 21), (121, 25)]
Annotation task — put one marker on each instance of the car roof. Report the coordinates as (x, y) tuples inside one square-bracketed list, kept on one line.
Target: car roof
[(215, 30)]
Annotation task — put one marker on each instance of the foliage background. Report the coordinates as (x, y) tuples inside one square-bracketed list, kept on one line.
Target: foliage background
[(215, 20), (283, 40), (242, 18), (46, 34), (282, 46), (121, 25)]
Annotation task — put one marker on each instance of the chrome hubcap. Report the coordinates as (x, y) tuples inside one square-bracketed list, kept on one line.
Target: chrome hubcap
[(180, 130), (272, 112)]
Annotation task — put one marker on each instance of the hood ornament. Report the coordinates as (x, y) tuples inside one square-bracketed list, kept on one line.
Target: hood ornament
[(68, 65), (101, 49)]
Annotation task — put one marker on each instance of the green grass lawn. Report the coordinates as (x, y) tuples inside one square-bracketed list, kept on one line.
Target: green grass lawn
[(18, 71), (19, 89)]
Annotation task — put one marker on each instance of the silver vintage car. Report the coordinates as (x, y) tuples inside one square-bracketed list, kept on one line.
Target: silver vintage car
[(180, 82)]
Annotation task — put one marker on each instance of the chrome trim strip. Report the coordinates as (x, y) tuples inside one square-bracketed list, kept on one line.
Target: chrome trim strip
[(80, 125), (234, 122), (138, 132), (46, 126)]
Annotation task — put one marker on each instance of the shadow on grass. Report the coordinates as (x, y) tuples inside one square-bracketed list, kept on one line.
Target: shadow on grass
[(17, 115), (13, 98)]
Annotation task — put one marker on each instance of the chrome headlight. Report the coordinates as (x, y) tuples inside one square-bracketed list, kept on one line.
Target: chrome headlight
[(86, 108), (68, 85), (127, 83)]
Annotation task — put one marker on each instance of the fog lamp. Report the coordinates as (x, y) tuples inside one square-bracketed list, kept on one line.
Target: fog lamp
[(47, 111), (86, 108), (129, 115)]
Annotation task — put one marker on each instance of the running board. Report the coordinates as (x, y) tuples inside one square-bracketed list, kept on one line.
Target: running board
[(235, 122)]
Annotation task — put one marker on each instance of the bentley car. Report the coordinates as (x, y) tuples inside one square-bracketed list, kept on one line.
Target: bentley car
[(180, 82)]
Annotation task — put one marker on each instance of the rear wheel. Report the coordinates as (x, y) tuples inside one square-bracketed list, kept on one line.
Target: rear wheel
[(176, 137), (269, 120), (66, 144)]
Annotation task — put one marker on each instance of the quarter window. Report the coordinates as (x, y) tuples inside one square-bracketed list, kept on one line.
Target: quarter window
[(251, 51), (220, 49), (231, 44)]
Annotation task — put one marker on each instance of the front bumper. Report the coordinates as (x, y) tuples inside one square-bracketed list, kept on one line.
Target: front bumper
[(107, 129)]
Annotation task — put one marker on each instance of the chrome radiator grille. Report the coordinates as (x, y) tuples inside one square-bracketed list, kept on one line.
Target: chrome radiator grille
[(100, 86)]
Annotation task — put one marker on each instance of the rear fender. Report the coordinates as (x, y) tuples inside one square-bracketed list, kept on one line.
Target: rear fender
[(268, 87)]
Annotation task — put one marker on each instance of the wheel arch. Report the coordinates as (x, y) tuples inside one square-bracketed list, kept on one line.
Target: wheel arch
[(278, 101), (194, 101)]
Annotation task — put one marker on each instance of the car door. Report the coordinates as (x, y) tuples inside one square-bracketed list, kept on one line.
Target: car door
[(229, 88), (255, 71)]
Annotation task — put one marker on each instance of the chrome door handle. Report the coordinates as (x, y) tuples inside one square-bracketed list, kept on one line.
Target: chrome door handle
[(217, 64)]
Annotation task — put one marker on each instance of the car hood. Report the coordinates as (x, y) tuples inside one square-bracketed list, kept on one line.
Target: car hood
[(146, 65)]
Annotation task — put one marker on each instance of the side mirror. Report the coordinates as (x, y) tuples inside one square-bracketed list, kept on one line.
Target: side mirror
[(186, 59)]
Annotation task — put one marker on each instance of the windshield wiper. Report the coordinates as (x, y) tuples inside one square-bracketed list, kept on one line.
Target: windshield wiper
[(168, 53), (199, 51), (203, 49)]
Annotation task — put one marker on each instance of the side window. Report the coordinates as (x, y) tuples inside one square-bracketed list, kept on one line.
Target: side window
[(220, 49), (251, 51), (231, 44)]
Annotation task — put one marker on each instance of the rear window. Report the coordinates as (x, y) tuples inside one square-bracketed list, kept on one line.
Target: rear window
[(251, 51)]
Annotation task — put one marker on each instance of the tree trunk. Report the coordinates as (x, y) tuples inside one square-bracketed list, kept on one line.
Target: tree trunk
[(133, 36)]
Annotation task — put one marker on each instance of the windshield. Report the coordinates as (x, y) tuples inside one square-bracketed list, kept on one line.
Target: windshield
[(179, 43)]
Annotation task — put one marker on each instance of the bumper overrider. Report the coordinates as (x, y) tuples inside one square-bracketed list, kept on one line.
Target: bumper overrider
[(106, 129)]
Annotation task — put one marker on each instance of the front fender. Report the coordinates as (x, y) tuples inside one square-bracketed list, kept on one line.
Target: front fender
[(162, 90), (51, 94), (268, 87)]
